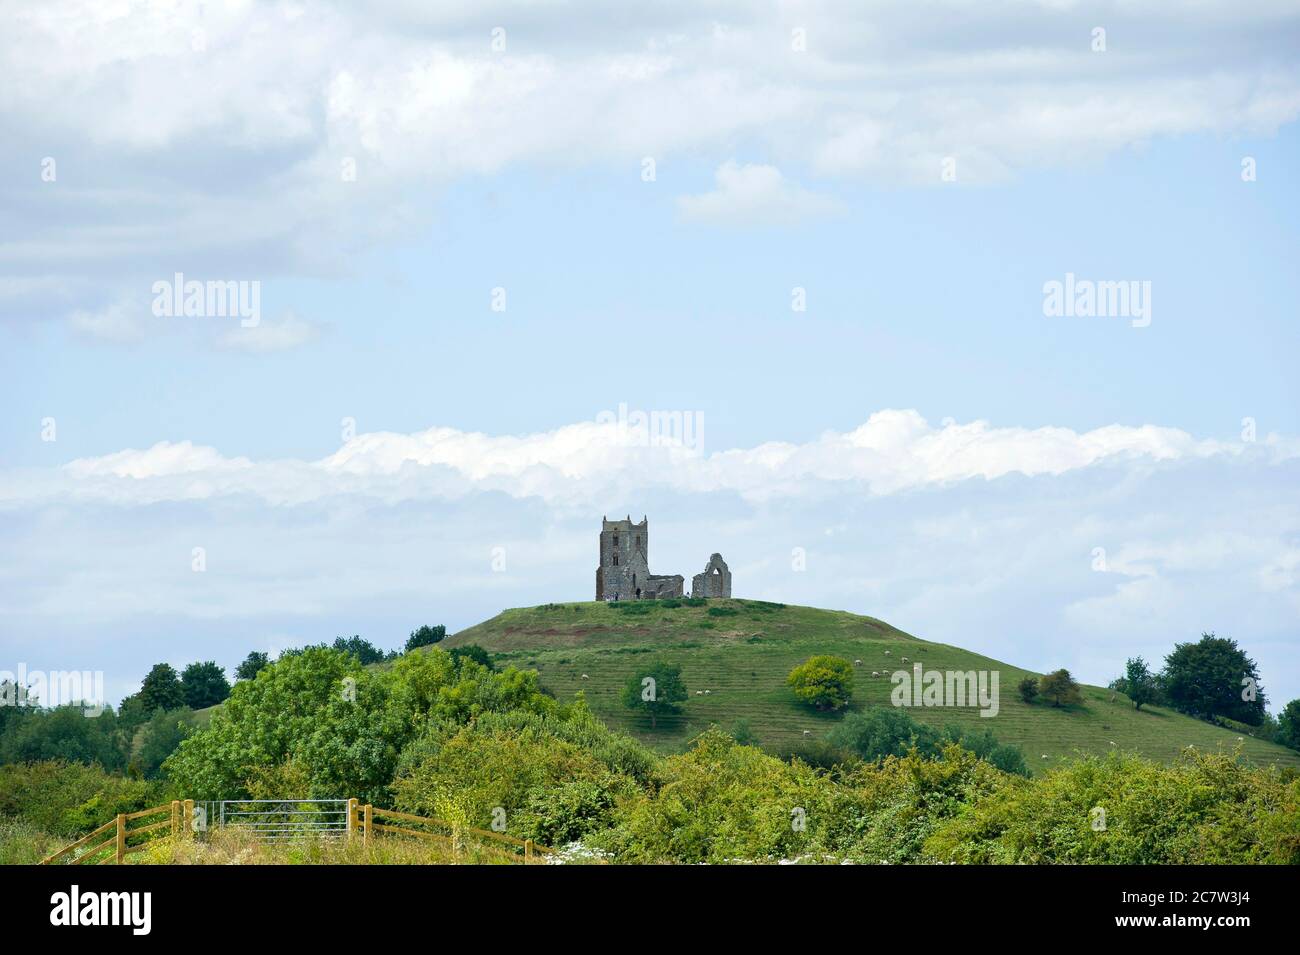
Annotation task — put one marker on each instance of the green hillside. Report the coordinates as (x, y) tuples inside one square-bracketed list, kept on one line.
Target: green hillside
[(740, 651)]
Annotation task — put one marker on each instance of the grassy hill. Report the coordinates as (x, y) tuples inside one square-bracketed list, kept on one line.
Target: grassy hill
[(741, 650)]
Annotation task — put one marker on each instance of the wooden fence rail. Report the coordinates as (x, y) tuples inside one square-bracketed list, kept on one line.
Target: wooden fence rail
[(362, 821), (178, 824)]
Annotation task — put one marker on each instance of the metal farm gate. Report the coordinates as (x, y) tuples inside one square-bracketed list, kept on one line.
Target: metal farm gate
[(279, 820)]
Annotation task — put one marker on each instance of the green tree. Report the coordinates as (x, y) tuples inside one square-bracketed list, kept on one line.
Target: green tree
[(64, 733), (365, 651), (1028, 689), (161, 689), (253, 664), (160, 737), (1288, 728), (1139, 683), (426, 636), (882, 731), (825, 682), (655, 691), (1060, 688), (205, 685), (1214, 678), (472, 651)]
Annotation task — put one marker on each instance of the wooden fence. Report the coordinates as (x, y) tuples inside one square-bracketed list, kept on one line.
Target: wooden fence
[(363, 823), (178, 822)]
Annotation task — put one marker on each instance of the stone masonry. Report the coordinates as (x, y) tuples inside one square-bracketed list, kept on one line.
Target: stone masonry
[(624, 570)]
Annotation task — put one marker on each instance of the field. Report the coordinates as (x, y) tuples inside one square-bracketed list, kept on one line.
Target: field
[(735, 655)]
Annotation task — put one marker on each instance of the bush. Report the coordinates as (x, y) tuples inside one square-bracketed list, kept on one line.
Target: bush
[(825, 682), (67, 798), (723, 611), (550, 788), (1060, 689), (426, 636), (1204, 809), (1028, 689)]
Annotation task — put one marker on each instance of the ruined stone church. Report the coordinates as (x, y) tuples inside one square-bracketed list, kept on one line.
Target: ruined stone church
[(624, 570)]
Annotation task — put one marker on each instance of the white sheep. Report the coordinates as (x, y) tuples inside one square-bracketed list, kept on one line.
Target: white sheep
[(857, 663), (904, 659), (807, 732), (886, 653), (875, 673), (585, 677), (707, 692), (1044, 756), (1111, 741)]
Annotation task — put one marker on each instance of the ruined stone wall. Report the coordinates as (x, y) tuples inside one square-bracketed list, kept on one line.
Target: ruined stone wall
[(715, 581)]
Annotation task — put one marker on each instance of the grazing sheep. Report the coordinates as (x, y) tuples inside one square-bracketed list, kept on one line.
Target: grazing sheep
[(886, 653), (875, 673), (699, 692), (807, 732), (904, 659), (1111, 741), (857, 663), (585, 677), (1044, 756), (707, 692)]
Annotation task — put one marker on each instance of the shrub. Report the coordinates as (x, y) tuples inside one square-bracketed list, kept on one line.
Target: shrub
[(1204, 809), (1028, 689), (68, 798), (825, 682), (723, 611), (1060, 688), (427, 636), (655, 691)]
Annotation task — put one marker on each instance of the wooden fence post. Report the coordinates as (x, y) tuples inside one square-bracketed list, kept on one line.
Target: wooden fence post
[(352, 818), (528, 851), (189, 817), (121, 837), (176, 818), (370, 819)]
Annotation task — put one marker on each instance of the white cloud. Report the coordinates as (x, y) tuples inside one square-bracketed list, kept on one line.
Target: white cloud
[(244, 145), (580, 464), (286, 333), (755, 195), (121, 323)]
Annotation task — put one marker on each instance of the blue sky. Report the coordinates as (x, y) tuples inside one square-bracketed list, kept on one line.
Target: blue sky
[(947, 456)]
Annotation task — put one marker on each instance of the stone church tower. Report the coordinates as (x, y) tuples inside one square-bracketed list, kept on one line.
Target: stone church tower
[(624, 571)]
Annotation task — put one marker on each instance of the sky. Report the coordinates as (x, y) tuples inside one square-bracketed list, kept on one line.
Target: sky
[(483, 240)]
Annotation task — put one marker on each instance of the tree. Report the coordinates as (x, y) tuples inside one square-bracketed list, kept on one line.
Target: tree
[(1060, 688), (365, 651), (205, 685), (1028, 689), (472, 651), (1214, 678), (825, 682), (655, 691), (426, 636), (161, 689), (162, 734), (1288, 729), (253, 664), (1139, 684)]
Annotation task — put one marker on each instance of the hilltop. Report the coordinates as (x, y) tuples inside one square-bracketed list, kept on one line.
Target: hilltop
[(741, 650)]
